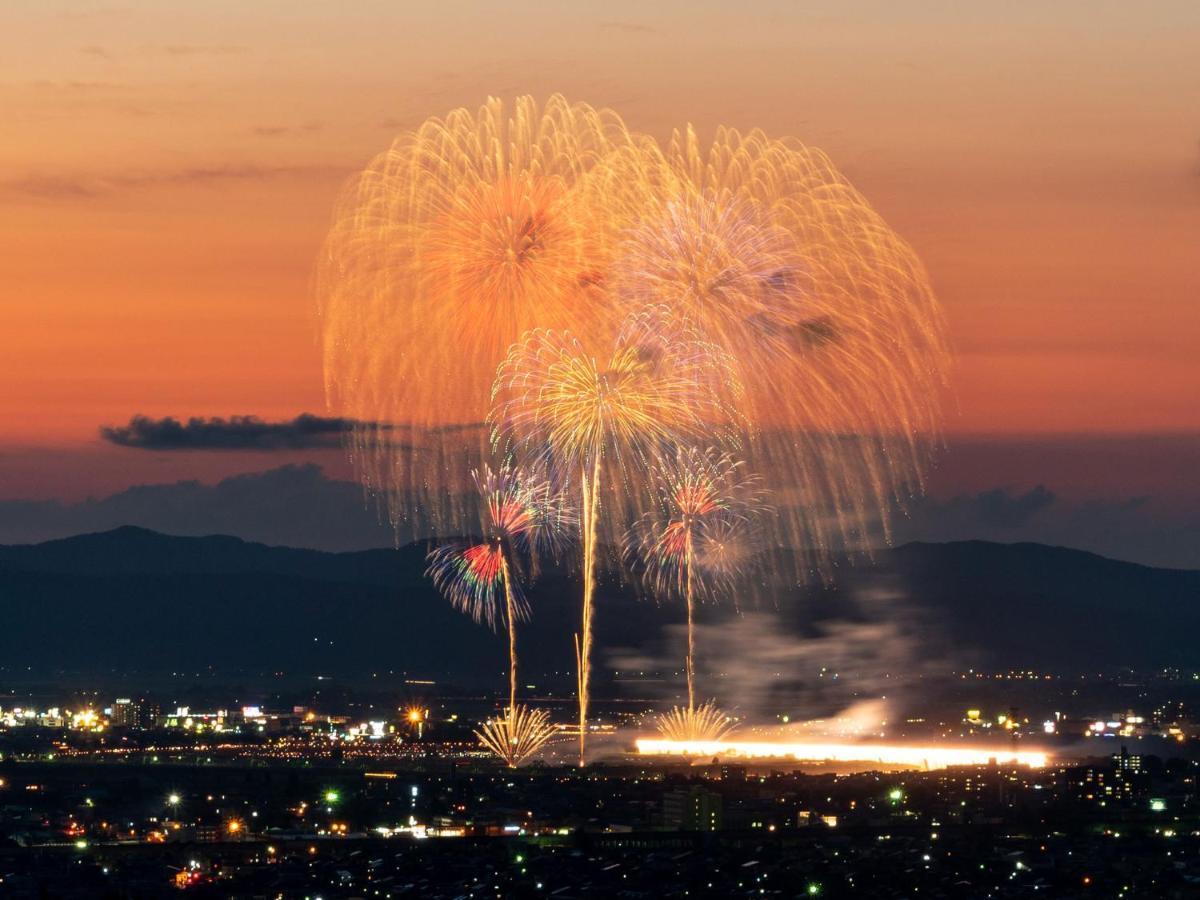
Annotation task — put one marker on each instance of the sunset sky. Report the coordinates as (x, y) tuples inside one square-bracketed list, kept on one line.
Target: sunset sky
[(168, 170)]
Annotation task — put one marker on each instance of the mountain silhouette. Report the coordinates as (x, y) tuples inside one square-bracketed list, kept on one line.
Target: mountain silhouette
[(137, 600)]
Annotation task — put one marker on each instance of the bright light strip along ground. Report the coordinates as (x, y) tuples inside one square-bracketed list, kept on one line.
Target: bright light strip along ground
[(919, 757)]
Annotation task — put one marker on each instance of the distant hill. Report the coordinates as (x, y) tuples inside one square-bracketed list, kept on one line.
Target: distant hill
[(140, 600)]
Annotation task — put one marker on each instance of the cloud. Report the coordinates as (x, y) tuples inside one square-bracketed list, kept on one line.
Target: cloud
[(270, 131), (294, 506), (55, 186), (235, 433), (1140, 529), (999, 507), (202, 49)]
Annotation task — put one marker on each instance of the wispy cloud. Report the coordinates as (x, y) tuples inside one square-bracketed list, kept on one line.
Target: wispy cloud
[(270, 131), (81, 186), (202, 49)]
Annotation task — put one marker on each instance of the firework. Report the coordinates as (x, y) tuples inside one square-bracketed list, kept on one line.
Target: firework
[(517, 735), (518, 512), (694, 723), (555, 401), (465, 234), (696, 541), (768, 252)]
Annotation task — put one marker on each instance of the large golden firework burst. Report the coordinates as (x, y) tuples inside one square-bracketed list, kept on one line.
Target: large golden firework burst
[(464, 235), (766, 250)]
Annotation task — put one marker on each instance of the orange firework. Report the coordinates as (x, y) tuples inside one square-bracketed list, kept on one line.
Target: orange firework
[(465, 234), (768, 252)]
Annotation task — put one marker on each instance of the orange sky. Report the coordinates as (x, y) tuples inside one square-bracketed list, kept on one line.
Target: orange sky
[(168, 169)]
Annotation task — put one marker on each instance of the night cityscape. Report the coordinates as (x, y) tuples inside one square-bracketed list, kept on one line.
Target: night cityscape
[(637, 450), (387, 793)]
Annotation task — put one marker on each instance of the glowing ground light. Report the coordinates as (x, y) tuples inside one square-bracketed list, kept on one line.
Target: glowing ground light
[(888, 754)]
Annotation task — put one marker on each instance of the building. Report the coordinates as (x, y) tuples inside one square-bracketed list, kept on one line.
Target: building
[(692, 809)]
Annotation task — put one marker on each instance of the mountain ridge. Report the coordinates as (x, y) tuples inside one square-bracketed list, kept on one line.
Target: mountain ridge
[(146, 600)]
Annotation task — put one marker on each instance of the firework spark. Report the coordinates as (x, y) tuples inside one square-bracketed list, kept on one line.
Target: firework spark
[(633, 296), (765, 249), (554, 400), (518, 734), (694, 723), (465, 234), (518, 512), (695, 541)]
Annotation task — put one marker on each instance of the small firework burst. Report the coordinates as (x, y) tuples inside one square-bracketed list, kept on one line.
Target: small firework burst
[(517, 735), (698, 723), (701, 533), (472, 578), (518, 514), (699, 538)]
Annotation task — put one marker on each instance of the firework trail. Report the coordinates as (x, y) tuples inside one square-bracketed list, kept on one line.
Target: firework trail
[(465, 234), (519, 515), (552, 399), (767, 251), (697, 540)]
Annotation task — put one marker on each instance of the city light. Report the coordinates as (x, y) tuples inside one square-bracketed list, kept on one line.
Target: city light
[(920, 757)]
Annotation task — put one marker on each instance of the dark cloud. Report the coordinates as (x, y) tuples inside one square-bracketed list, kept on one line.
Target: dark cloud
[(1138, 529), (294, 506), (235, 433), (997, 508), (299, 505)]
